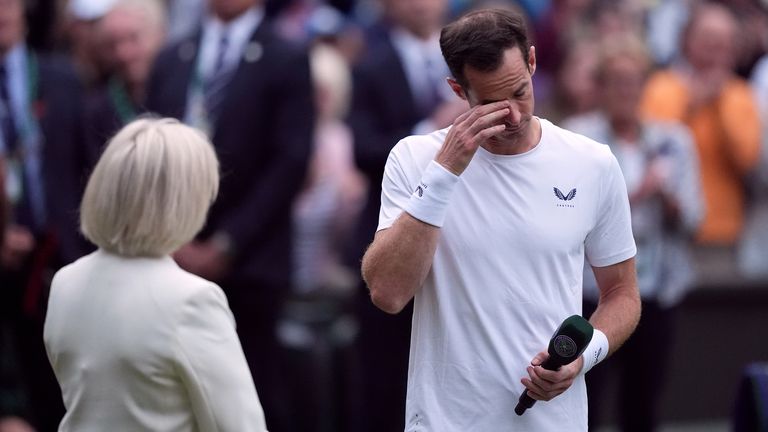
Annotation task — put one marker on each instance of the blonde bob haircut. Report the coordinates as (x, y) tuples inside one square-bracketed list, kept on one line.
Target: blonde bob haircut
[(150, 191)]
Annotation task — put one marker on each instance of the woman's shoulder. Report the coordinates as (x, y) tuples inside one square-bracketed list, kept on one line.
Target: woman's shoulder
[(73, 269), (160, 276), (174, 287)]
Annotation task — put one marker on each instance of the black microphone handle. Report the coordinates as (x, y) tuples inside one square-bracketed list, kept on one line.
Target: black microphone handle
[(526, 401)]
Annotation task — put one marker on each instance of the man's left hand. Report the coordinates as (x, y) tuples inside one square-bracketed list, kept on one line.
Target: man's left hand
[(545, 385)]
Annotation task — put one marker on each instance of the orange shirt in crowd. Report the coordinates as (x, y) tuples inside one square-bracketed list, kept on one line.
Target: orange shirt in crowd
[(727, 134)]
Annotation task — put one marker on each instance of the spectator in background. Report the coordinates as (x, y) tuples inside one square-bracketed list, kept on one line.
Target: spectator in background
[(569, 89), (702, 91), (607, 18), (251, 92), (43, 20), (80, 24), (399, 90), (664, 29), (753, 248), (318, 328), (40, 139), (331, 199), (136, 342), (184, 18), (7, 389), (574, 91), (560, 24), (310, 21), (130, 36), (752, 37), (660, 167), (328, 26)]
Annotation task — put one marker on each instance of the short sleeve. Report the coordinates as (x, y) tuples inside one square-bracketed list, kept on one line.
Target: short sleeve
[(396, 189), (610, 241), (213, 367)]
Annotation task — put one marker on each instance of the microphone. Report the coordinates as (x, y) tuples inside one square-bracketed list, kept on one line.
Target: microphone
[(567, 344)]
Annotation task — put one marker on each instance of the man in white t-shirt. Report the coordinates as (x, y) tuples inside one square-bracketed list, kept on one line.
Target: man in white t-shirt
[(486, 224)]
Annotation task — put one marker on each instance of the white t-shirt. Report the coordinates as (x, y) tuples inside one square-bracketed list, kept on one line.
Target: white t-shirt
[(507, 271)]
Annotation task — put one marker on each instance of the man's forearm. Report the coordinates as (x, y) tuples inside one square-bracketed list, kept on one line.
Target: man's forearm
[(617, 316), (398, 261), (618, 310)]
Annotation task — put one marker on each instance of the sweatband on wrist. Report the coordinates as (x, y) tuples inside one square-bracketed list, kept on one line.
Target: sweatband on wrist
[(596, 351), (429, 202)]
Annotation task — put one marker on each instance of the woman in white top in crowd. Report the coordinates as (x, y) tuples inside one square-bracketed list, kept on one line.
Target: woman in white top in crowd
[(137, 343)]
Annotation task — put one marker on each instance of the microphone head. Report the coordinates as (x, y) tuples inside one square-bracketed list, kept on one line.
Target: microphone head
[(570, 340)]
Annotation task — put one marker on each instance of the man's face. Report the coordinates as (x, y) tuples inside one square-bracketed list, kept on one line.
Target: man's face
[(510, 82), (621, 87), (710, 42), (131, 41), (11, 23)]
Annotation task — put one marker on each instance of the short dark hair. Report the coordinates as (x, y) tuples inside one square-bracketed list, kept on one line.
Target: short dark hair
[(479, 39)]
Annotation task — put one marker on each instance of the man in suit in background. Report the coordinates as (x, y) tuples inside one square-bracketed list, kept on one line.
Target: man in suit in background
[(40, 139), (130, 35), (399, 90), (252, 93)]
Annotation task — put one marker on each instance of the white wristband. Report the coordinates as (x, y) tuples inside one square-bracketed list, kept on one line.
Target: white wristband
[(429, 201), (596, 351)]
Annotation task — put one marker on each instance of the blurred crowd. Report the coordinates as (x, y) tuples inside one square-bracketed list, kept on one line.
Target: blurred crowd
[(303, 100)]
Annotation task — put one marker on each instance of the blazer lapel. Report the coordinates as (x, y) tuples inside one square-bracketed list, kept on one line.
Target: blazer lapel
[(186, 56)]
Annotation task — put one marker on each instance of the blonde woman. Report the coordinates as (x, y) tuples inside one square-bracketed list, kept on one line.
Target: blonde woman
[(137, 343)]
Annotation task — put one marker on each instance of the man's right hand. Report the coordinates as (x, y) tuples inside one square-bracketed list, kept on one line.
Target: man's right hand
[(470, 130)]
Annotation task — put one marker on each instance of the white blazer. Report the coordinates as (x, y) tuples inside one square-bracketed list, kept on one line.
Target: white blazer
[(138, 344)]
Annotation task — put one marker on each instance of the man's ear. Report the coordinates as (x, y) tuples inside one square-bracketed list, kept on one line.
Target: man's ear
[(532, 60), (457, 88)]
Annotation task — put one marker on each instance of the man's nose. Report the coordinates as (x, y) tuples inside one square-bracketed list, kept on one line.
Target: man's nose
[(514, 115)]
